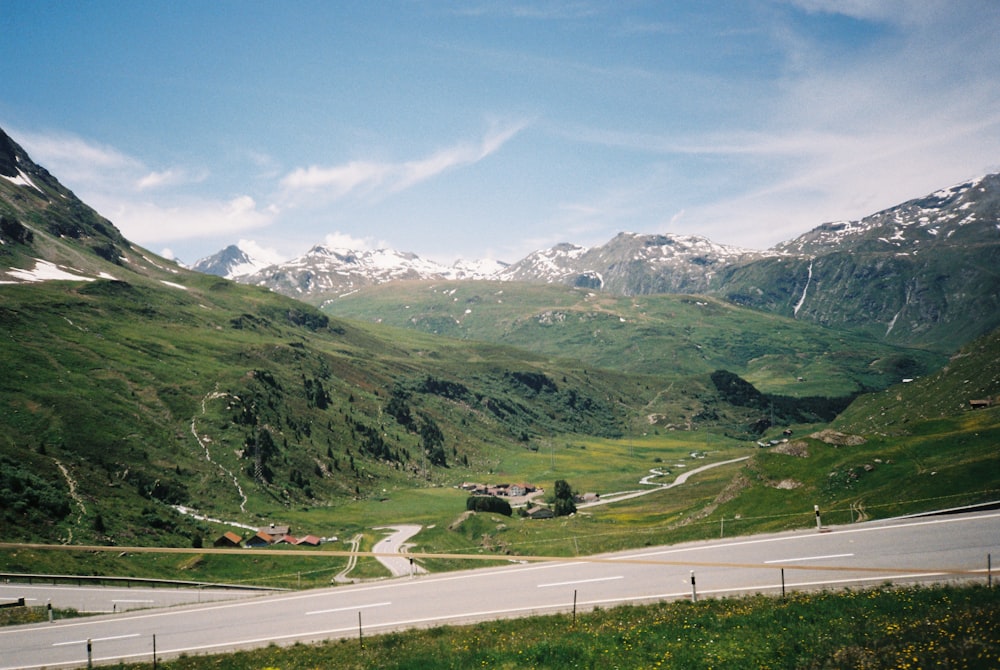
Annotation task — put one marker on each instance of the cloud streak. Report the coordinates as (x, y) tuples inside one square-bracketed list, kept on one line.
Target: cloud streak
[(360, 178)]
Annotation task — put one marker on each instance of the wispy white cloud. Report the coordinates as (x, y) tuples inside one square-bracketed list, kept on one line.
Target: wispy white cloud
[(149, 222), (261, 252), (365, 177), (166, 178), (414, 172), (338, 180), (76, 160), (339, 240), (548, 10), (121, 187), (843, 136), (893, 11)]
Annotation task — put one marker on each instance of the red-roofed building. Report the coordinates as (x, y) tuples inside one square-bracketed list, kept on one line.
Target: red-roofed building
[(229, 539), (261, 539)]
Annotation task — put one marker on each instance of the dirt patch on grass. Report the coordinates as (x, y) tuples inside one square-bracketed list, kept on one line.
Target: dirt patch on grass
[(797, 448), (457, 523), (838, 439), (733, 489)]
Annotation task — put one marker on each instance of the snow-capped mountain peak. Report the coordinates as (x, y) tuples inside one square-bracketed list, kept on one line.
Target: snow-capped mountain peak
[(231, 263), (909, 227)]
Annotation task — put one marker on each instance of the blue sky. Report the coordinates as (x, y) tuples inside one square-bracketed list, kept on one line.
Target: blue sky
[(481, 129)]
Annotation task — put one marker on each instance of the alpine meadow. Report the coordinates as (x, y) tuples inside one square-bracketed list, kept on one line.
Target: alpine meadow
[(144, 404)]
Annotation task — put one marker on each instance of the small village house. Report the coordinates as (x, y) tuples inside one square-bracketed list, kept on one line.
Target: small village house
[(228, 539)]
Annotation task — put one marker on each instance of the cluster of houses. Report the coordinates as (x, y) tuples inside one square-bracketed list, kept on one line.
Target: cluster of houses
[(524, 491), (267, 536), (499, 490)]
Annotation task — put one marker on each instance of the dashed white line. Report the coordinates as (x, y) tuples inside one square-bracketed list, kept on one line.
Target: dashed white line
[(348, 609), (581, 581), (807, 558), (96, 639)]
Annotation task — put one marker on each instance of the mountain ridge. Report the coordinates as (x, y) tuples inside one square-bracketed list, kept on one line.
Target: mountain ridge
[(922, 273)]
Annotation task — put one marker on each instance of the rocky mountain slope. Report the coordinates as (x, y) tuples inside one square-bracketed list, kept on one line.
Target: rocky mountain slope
[(230, 263), (633, 264), (41, 220), (925, 273)]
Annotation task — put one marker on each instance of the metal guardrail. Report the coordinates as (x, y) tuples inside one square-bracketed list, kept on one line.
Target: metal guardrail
[(79, 580)]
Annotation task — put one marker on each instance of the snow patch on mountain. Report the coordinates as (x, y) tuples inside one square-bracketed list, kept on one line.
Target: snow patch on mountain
[(905, 226), (21, 179), (45, 271)]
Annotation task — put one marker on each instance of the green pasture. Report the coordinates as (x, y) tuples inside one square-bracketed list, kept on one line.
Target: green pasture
[(886, 627)]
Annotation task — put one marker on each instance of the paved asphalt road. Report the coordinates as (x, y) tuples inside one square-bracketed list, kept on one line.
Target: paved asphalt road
[(396, 544), (107, 599), (926, 549)]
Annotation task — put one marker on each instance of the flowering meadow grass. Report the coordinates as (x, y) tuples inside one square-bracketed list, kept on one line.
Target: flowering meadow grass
[(886, 627)]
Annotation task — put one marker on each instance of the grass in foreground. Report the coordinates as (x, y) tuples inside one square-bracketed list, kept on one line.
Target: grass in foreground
[(888, 627)]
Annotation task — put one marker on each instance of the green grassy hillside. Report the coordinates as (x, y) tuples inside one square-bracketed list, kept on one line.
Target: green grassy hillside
[(673, 336), (236, 400)]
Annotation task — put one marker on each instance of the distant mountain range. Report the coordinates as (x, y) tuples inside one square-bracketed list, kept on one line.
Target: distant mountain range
[(323, 272), (924, 272), (629, 264)]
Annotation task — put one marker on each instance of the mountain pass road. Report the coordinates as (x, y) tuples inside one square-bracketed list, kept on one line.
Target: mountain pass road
[(940, 548)]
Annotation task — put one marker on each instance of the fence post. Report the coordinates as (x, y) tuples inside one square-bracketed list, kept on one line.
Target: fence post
[(782, 582), (574, 607), (361, 640)]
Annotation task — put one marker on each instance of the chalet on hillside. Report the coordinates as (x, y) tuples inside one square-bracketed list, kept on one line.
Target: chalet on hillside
[(499, 490), (261, 539), (276, 531), (228, 539)]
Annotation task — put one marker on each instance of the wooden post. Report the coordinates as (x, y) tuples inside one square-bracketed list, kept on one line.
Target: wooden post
[(782, 582), (361, 640), (574, 607)]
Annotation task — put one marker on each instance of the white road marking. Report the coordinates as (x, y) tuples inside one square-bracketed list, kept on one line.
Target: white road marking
[(581, 581), (808, 558), (348, 609), (96, 639)]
